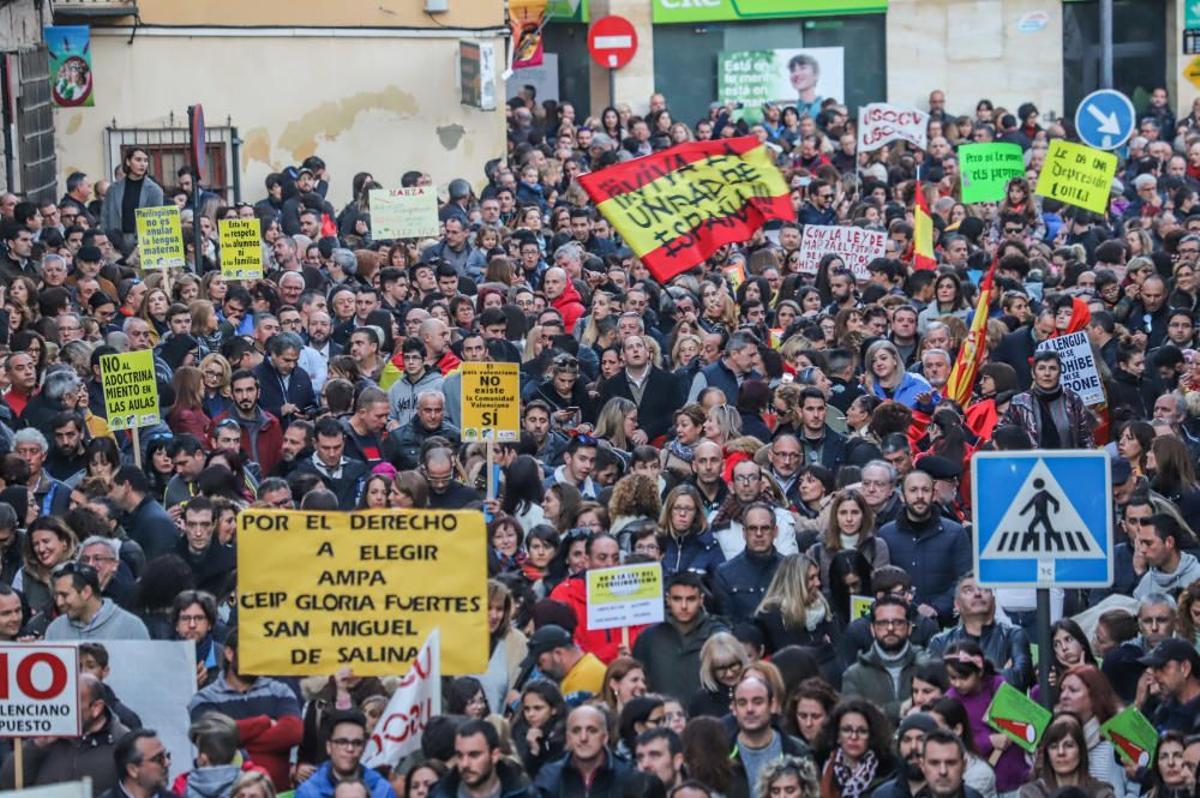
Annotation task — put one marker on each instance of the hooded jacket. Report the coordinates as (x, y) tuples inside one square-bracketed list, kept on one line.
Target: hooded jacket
[(402, 395), (322, 784), (570, 306), (870, 679), (262, 437), (210, 782), (1156, 581), (109, 623)]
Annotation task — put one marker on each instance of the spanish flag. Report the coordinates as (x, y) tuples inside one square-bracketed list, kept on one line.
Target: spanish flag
[(676, 207), (970, 354), (923, 257)]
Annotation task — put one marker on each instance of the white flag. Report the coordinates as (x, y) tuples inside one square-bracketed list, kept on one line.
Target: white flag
[(416, 701)]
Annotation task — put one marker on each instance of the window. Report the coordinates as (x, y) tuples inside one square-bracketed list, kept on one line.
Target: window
[(169, 149)]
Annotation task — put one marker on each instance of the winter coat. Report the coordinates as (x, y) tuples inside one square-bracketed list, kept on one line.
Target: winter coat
[(403, 445), (561, 780), (869, 678), (936, 552), (322, 784), (1025, 412), (604, 643), (671, 656), (741, 582), (1001, 644), (262, 438), (70, 759), (695, 552)]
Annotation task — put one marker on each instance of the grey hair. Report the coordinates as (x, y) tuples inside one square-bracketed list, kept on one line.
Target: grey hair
[(59, 383), (31, 435), (885, 465), (345, 259), (282, 342), (436, 394), (570, 250), (739, 341), (939, 352), (113, 545), (1151, 600)]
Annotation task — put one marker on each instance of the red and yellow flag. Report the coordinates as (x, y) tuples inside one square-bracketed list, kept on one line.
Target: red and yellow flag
[(923, 257), (970, 354), (676, 207)]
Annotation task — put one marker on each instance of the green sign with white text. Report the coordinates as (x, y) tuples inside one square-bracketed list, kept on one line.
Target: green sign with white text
[(735, 10)]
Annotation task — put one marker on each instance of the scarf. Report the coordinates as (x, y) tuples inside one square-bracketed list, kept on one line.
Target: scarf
[(1051, 412), (854, 781), (1091, 733), (815, 614)]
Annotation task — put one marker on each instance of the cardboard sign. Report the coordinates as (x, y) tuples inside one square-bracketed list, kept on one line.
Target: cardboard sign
[(987, 168), (627, 595), (1077, 175), (319, 591), (241, 249), (418, 699), (160, 238), (157, 679), (491, 402), (39, 690), (1017, 716), (883, 123), (854, 245), (1079, 372), (1134, 737), (404, 213), (130, 390)]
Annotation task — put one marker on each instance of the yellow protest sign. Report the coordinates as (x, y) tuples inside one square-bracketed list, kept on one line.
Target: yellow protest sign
[(404, 213), (627, 595), (241, 249), (860, 606), (319, 591), (160, 238), (130, 390), (1077, 175), (491, 402), (1192, 71)]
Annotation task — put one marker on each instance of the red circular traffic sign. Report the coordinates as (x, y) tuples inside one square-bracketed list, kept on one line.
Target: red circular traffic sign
[(612, 41)]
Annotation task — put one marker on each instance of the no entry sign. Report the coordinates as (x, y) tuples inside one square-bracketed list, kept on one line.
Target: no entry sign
[(612, 41), (39, 691)]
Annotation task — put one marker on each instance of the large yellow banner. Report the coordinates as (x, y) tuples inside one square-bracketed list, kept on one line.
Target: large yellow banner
[(319, 591)]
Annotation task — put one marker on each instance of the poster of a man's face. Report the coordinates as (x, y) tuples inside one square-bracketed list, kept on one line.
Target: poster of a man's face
[(801, 78)]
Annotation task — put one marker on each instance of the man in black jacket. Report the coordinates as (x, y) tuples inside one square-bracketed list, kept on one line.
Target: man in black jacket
[(590, 768), (148, 523), (343, 476), (819, 444), (656, 393), (741, 582), (1006, 646), (286, 392), (481, 769)]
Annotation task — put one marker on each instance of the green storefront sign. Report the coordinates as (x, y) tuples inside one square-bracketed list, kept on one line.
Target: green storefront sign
[(567, 10), (741, 10)]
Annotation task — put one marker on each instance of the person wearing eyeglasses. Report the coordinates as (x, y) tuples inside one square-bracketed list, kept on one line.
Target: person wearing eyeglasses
[(883, 673), (345, 745), (819, 207)]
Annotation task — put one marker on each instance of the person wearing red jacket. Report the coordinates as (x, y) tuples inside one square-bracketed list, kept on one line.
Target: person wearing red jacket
[(262, 434), (218, 761), (266, 711), (606, 644), (563, 297)]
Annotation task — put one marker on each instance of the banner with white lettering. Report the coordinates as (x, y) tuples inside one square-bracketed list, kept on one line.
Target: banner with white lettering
[(415, 702), (1079, 372), (856, 247), (883, 123)]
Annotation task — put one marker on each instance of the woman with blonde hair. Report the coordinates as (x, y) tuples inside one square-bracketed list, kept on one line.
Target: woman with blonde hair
[(886, 378), (722, 424), (252, 784), (206, 328), (686, 348), (617, 422), (790, 614), (723, 660), (217, 374), (601, 308), (507, 647)]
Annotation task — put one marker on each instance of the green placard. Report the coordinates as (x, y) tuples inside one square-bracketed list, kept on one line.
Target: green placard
[(1132, 735), (987, 168), (1018, 716), (734, 10)]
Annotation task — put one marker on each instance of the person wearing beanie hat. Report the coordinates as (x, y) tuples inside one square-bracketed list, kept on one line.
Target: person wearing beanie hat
[(88, 262), (910, 740)]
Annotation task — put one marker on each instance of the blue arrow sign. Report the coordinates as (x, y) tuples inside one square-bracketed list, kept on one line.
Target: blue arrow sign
[(1105, 119), (1042, 518)]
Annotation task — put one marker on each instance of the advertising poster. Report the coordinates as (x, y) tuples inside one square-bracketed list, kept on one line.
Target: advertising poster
[(70, 48), (803, 78)]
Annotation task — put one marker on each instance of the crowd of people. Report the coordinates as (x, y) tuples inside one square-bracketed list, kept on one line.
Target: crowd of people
[(783, 442)]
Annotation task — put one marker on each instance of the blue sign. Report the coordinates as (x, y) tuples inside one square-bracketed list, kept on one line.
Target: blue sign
[(1105, 119), (1042, 518)]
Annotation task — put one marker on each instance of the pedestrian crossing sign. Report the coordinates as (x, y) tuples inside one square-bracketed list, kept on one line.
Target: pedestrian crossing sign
[(1042, 518)]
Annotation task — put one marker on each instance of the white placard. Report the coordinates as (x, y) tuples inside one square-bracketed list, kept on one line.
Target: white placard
[(417, 699), (1079, 372), (856, 247), (882, 123), (39, 690)]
